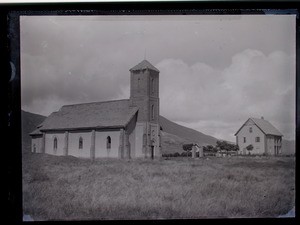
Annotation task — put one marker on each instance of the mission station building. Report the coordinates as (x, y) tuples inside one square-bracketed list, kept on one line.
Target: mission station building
[(262, 135), (126, 128)]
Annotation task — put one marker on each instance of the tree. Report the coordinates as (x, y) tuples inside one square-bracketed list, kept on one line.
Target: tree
[(223, 145), (188, 148), (249, 148), (209, 148)]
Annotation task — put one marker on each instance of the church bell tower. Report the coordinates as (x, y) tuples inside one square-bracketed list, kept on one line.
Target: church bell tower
[(144, 94)]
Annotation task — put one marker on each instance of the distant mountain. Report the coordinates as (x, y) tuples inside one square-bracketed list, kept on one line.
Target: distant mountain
[(288, 147), (29, 123), (186, 133), (174, 136), (171, 143)]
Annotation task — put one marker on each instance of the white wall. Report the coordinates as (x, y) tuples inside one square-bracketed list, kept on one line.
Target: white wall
[(139, 131), (132, 144), (270, 145), (37, 141), (259, 147), (100, 144), (73, 144), (273, 141), (49, 139)]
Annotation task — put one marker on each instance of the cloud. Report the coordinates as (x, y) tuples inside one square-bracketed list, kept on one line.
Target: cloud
[(216, 71), (219, 102)]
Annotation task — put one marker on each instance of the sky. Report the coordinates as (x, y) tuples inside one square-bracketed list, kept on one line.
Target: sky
[(216, 71)]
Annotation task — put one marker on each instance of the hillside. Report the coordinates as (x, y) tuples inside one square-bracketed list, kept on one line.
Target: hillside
[(171, 143), (186, 133), (29, 123)]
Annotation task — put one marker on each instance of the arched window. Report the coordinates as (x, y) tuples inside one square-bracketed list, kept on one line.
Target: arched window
[(152, 111), (152, 84), (138, 84), (55, 143), (108, 142), (80, 144)]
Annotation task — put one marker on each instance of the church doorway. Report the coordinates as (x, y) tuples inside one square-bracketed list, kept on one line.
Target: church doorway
[(152, 152)]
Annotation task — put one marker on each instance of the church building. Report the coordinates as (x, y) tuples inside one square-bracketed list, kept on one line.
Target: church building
[(127, 128)]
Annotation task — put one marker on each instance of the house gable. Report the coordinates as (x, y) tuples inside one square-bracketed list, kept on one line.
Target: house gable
[(265, 126)]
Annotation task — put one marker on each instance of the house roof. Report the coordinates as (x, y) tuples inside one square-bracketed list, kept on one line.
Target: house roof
[(265, 126), (144, 65), (109, 114)]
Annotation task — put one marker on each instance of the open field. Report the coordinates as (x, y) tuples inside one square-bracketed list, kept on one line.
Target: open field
[(67, 188)]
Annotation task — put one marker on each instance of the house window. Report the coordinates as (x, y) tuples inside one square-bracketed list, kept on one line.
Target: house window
[(257, 139), (250, 129), (108, 142), (34, 148), (55, 144), (244, 139), (80, 144)]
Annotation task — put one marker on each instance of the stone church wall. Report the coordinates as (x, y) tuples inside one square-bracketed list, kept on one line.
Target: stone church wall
[(131, 132), (101, 149), (139, 132), (49, 143), (73, 144)]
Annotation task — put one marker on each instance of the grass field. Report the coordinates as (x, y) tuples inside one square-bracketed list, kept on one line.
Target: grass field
[(67, 188)]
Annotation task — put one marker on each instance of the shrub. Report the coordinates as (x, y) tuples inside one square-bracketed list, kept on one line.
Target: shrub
[(249, 147), (209, 154), (176, 154), (186, 154)]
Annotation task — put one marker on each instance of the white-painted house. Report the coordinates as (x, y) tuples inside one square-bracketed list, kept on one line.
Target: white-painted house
[(126, 128), (261, 134)]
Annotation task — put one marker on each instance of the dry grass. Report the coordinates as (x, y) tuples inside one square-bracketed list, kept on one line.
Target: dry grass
[(67, 188)]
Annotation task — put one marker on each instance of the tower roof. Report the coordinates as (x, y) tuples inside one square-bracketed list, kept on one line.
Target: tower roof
[(144, 65)]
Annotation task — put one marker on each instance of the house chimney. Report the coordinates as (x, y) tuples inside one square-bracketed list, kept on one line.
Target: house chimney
[(262, 117)]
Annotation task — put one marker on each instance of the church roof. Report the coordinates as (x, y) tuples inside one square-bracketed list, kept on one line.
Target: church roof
[(144, 65), (36, 132), (265, 126), (109, 114)]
